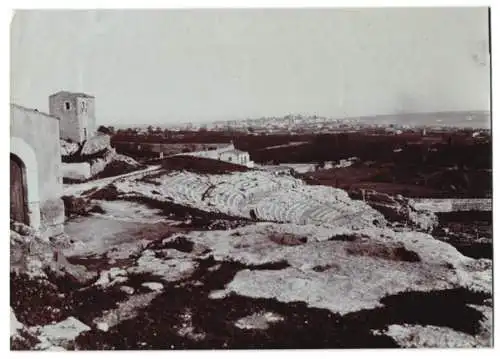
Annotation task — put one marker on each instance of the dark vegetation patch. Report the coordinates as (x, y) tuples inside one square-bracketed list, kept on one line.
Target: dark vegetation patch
[(409, 181), (91, 302), (473, 224), (23, 341), (485, 217), (439, 164), (475, 250), (38, 302), (447, 308), (382, 250), (96, 209), (35, 301), (80, 206), (181, 244), (397, 213), (75, 206), (455, 167), (282, 264), (201, 165), (470, 232), (325, 267), (152, 178), (116, 168), (72, 181), (89, 191), (287, 239), (302, 328), (345, 237), (107, 193), (78, 157)]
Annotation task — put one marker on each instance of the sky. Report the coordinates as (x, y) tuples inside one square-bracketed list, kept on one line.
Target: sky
[(168, 66)]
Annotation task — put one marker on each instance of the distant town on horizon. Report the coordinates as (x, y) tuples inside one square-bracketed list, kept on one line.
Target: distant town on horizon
[(473, 119)]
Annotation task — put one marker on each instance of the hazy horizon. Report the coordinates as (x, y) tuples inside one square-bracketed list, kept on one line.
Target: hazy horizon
[(167, 66)]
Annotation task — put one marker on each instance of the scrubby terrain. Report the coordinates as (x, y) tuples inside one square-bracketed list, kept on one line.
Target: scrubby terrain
[(169, 259)]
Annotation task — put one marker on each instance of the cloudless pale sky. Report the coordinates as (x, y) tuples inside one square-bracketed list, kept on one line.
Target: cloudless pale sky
[(195, 65)]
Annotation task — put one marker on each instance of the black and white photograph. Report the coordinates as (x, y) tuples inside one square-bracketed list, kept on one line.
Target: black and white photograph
[(251, 178)]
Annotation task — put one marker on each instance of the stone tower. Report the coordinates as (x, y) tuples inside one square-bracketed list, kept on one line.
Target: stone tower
[(76, 113)]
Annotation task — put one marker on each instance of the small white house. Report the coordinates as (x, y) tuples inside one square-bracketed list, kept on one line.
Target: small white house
[(234, 156), (226, 154)]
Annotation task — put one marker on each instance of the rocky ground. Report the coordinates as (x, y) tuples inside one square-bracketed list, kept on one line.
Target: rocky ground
[(93, 159), (145, 273)]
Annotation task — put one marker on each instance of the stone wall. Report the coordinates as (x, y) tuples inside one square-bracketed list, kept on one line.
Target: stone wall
[(69, 125), (76, 171), (38, 133), (87, 119), (454, 204)]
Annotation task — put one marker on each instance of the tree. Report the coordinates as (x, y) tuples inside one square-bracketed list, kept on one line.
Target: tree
[(105, 130)]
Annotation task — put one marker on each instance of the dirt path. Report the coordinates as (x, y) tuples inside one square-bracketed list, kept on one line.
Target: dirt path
[(121, 231), (77, 189)]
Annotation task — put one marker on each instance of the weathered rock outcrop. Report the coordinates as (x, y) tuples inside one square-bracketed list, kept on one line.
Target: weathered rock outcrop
[(96, 144), (59, 335), (38, 257), (68, 148), (88, 166), (59, 270), (95, 158), (397, 209)]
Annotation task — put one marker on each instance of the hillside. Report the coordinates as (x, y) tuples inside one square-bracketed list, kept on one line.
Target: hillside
[(169, 250)]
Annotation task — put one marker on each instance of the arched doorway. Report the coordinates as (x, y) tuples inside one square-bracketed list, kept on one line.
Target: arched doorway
[(18, 190), (24, 199)]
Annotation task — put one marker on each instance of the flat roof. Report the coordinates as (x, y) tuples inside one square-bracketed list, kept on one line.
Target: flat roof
[(76, 94)]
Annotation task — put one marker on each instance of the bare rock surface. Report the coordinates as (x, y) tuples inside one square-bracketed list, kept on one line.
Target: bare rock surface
[(430, 336), (96, 143), (38, 257), (154, 286), (171, 269), (330, 274), (258, 195), (261, 320), (75, 274), (15, 325), (61, 334), (111, 277)]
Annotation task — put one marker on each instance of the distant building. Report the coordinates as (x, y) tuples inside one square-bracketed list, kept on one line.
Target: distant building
[(76, 112), (234, 156), (226, 154), (35, 162)]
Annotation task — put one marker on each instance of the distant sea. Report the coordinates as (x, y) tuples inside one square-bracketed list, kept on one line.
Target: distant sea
[(470, 119)]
